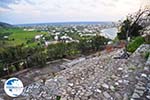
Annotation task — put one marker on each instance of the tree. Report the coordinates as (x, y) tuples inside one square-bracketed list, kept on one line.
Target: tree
[(124, 28), (98, 42), (72, 49), (85, 45), (36, 56), (56, 51), (135, 20)]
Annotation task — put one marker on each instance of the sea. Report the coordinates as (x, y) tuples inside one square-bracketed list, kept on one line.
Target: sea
[(110, 33), (65, 23)]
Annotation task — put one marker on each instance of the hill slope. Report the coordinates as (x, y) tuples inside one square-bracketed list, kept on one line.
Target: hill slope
[(97, 78), (5, 25)]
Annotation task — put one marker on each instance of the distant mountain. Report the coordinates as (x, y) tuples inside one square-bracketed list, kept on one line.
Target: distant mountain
[(5, 25)]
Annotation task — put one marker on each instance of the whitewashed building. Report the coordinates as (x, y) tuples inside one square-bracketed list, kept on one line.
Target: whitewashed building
[(38, 37)]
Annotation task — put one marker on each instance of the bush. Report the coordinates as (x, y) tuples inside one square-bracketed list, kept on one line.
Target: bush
[(126, 26), (56, 51), (135, 44), (12, 69)]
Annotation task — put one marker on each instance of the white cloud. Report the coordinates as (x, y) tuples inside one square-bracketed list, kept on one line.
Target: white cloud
[(69, 10)]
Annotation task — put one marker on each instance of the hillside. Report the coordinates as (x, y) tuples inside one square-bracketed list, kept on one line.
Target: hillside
[(5, 25), (97, 78)]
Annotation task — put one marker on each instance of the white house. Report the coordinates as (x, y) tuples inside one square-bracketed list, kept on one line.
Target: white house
[(29, 29), (50, 42), (66, 38), (37, 37), (5, 37), (56, 37), (87, 35)]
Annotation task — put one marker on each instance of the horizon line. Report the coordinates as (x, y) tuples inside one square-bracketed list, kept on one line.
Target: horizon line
[(62, 22)]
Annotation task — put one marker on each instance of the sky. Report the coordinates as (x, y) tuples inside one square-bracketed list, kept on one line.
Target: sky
[(40, 11)]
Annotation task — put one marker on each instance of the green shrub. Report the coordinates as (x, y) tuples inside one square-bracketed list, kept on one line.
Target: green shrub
[(126, 26), (135, 44), (12, 69)]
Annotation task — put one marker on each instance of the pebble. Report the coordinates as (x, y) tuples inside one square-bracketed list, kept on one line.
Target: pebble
[(140, 83), (148, 85), (140, 92), (63, 98), (101, 66), (125, 82), (88, 93), (146, 68), (148, 97), (73, 91), (120, 81), (125, 97), (112, 88), (105, 85), (113, 77), (116, 83), (143, 75), (55, 80), (140, 87), (98, 90), (120, 69), (118, 96), (70, 84), (106, 95), (135, 95), (76, 98), (82, 78), (36, 91), (126, 76)]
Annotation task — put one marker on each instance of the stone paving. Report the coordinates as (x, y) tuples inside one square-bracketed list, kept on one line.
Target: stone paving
[(97, 78)]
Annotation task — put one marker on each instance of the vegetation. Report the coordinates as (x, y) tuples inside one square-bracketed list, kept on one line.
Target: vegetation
[(135, 44), (5, 25), (126, 25), (98, 42), (1, 70), (17, 36), (130, 28), (21, 50)]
